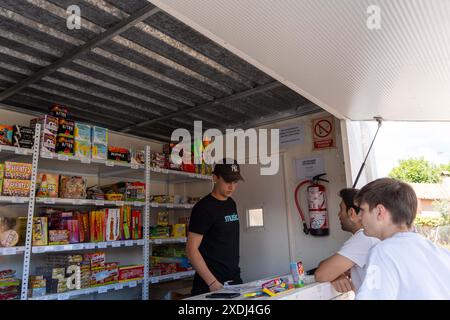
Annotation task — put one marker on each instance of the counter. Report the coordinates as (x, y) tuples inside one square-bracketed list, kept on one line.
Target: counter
[(311, 291)]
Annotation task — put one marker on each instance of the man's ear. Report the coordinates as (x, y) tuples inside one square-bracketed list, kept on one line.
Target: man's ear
[(382, 213)]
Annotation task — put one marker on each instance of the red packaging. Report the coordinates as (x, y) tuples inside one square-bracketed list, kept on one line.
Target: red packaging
[(83, 225), (74, 231), (129, 273), (136, 218)]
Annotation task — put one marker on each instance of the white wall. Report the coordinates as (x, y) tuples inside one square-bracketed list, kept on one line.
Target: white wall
[(268, 190)]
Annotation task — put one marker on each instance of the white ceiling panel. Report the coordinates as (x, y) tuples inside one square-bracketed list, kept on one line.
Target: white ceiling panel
[(324, 50)]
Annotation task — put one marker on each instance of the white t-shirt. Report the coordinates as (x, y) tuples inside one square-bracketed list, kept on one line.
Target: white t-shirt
[(357, 249), (407, 266)]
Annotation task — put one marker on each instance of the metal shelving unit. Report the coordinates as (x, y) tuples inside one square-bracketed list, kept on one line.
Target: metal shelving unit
[(68, 165)]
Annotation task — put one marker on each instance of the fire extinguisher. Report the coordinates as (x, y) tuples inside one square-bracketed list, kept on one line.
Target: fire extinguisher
[(317, 206)]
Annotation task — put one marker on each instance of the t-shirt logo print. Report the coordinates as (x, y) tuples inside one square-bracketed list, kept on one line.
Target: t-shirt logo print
[(231, 218), (234, 168)]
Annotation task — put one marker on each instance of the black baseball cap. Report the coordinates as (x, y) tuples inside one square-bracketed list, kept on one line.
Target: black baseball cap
[(229, 170)]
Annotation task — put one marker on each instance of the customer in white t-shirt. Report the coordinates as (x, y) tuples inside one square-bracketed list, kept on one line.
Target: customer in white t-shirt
[(404, 265), (346, 269)]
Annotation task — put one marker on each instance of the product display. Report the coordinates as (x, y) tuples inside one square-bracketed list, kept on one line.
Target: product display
[(23, 137), (2, 176), (17, 170), (99, 151), (82, 132), (9, 285), (179, 230), (47, 185), (6, 135), (66, 128), (125, 218), (298, 274), (82, 149), (16, 188), (97, 226), (163, 218), (130, 273), (137, 157), (136, 226), (59, 111), (40, 231), (58, 237), (99, 136), (159, 232), (112, 224), (65, 145), (49, 131), (119, 154), (73, 187)]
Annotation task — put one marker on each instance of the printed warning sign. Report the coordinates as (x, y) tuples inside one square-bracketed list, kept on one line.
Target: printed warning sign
[(323, 133)]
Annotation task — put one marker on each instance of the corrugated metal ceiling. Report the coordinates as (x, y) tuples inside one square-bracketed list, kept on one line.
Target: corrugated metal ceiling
[(132, 68)]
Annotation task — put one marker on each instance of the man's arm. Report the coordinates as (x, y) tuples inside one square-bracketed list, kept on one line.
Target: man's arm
[(193, 243), (333, 267)]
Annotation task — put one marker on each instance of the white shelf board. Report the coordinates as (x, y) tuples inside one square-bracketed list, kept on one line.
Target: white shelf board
[(101, 289), (87, 246), (13, 200), (168, 240), (173, 276), (171, 205), (9, 251), (16, 150), (88, 202)]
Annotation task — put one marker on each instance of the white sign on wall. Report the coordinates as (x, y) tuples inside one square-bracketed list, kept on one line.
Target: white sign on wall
[(306, 168), (294, 134)]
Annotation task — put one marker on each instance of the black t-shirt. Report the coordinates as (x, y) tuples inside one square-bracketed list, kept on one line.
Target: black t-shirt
[(218, 222)]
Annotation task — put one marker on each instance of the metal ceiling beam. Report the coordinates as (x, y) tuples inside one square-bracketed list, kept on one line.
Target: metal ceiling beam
[(122, 26), (236, 96)]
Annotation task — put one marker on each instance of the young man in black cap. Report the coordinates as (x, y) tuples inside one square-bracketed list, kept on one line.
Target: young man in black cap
[(213, 239)]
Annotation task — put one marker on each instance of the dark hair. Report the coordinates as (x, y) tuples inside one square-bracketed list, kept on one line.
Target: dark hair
[(396, 196), (348, 196)]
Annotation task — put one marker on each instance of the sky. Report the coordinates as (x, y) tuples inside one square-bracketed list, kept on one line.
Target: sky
[(402, 140)]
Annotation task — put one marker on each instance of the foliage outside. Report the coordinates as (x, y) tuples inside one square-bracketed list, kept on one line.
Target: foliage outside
[(418, 170)]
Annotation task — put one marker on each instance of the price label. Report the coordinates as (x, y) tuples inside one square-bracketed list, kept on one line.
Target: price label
[(50, 201), (21, 151), (119, 286), (187, 206), (99, 202), (135, 166), (170, 205), (133, 284), (192, 175), (52, 248), (63, 296), (154, 280), (165, 171), (1, 149), (176, 277), (158, 241), (129, 243), (78, 246), (63, 157), (102, 290), (89, 246), (139, 204), (18, 200), (156, 169), (154, 204), (102, 245), (140, 242), (38, 249), (86, 160), (116, 244), (109, 163), (67, 247), (47, 155), (9, 251), (77, 201), (120, 203)]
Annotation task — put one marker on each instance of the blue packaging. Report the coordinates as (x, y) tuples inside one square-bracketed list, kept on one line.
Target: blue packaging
[(82, 132), (99, 136)]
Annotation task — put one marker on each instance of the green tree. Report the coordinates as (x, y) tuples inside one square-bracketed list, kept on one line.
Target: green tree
[(417, 170)]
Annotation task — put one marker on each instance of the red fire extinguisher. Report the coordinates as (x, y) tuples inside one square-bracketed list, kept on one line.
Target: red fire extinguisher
[(317, 206)]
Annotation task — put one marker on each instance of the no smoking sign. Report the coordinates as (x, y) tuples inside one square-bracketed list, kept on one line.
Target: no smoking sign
[(323, 133)]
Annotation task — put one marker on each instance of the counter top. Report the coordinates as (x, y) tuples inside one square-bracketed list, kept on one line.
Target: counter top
[(311, 291)]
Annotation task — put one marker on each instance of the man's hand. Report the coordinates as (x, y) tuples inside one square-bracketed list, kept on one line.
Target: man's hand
[(215, 286), (343, 284)]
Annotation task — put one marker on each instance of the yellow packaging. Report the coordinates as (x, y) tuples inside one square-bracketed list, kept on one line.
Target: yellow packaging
[(179, 230), (82, 149)]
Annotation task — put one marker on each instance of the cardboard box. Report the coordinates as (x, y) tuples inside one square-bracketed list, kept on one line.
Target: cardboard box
[(97, 226), (40, 231), (18, 170), (58, 237), (73, 187), (83, 225), (99, 136), (74, 231), (16, 188), (136, 217), (65, 145), (125, 222), (83, 132), (130, 273), (83, 149), (6, 135), (99, 151), (112, 224), (47, 185), (66, 128), (49, 124)]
